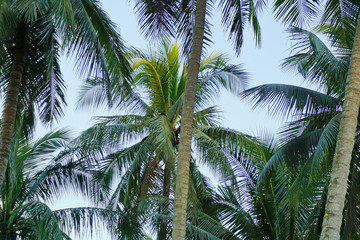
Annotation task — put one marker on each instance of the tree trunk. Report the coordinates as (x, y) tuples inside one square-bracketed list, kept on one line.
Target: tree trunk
[(12, 97), (166, 193), (183, 165), (345, 144), (349, 231)]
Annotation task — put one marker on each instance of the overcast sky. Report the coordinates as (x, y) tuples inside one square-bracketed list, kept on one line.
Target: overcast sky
[(262, 64)]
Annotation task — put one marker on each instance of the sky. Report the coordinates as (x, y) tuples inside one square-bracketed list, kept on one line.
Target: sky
[(263, 64)]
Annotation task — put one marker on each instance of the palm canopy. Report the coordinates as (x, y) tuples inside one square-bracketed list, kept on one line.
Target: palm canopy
[(29, 183), (176, 18), (81, 28), (270, 209), (141, 145), (33, 34), (309, 140)]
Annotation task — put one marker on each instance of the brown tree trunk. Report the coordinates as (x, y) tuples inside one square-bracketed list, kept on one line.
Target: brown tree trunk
[(345, 144), (166, 193), (12, 97), (183, 164)]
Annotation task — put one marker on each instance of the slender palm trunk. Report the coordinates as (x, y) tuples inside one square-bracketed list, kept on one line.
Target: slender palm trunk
[(345, 144), (12, 96), (183, 165), (166, 193)]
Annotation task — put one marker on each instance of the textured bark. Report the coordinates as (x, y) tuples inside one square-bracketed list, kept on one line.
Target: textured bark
[(12, 97), (349, 232), (345, 144), (183, 165), (166, 194)]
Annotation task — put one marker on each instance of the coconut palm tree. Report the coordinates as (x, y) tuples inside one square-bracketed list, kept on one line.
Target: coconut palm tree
[(32, 36), (188, 19), (251, 209), (344, 29), (317, 117), (152, 125)]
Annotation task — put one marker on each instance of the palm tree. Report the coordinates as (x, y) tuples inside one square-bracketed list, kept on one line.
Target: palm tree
[(188, 19), (257, 209), (32, 36), (316, 125), (27, 184), (344, 26), (22, 213), (152, 123)]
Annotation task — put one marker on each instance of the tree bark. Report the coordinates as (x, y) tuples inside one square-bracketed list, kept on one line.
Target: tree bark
[(166, 193), (345, 144), (12, 97), (183, 164)]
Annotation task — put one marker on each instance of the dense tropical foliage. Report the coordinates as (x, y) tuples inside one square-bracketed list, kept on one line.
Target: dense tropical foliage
[(165, 167), (33, 34), (140, 147), (35, 177)]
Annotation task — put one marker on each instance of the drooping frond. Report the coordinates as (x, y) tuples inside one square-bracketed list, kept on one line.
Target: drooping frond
[(186, 21), (236, 14), (341, 15), (291, 100), (296, 12), (157, 17), (317, 63)]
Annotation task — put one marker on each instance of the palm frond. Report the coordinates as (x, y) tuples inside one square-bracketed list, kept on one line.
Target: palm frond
[(291, 100), (235, 15), (296, 12), (157, 18)]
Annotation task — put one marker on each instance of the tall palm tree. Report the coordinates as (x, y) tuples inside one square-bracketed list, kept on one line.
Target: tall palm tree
[(344, 23), (152, 123), (316, 126), (188, 19), (32, 36)]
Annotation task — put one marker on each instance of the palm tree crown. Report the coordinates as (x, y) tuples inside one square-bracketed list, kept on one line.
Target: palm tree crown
[(151, 123)]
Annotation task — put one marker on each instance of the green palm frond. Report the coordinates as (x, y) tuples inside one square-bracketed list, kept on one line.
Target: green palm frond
[(44, 223), (212, 154), (235, 15), (234, 216), (208, 117), (326, 145), (342, 17), (163, 137), (296, 12), (83, 220), (287, 99), (291, 154), (317, 63), (157, 18), (97, 45), (37, 154)]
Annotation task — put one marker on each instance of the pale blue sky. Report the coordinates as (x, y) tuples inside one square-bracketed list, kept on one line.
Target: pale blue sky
[(262, 64)]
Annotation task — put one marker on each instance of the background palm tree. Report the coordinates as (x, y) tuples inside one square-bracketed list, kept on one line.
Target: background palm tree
[(32, 36), (33, 177), (251, 209), (152, 123), (312, 135), (343, 20)]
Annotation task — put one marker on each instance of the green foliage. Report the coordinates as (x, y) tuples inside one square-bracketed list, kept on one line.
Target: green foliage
[(136, 152), (80, 28)]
